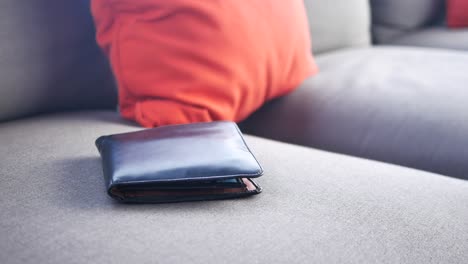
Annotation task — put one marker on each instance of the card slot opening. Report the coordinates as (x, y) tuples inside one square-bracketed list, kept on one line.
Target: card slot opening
[(245, 186)]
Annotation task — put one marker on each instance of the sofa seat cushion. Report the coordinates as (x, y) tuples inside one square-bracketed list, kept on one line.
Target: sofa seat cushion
[(316, 207), (435, 37), (406, 106)]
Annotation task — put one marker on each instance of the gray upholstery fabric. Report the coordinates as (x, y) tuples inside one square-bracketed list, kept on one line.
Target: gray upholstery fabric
[(336, 24), (405, 14), (436, 37), (49, 60), (391, 18), (317, 207), (383, 34), (401, 105)]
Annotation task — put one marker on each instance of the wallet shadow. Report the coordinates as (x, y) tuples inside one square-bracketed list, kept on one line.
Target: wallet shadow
[(81, 185)]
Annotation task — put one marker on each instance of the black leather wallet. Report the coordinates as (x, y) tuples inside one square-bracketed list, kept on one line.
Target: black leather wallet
[(201, 161)]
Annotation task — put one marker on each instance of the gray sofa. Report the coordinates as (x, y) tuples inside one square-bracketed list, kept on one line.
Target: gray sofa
[(402, 105), (396, 102)]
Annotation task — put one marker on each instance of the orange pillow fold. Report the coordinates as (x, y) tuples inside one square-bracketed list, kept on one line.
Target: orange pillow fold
[(184, 61)]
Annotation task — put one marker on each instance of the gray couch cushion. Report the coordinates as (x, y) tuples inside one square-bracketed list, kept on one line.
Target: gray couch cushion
[(336, 24), (316, 207), (390, 18), (405, 106), (436, 37), (49, 60)]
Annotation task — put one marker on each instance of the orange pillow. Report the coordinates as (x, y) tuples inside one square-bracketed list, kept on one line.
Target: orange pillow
[(183, 61)]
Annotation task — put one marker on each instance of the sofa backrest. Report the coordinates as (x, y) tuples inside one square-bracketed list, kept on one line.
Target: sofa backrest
[(49, 60), (336, 24), (392, 18)]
